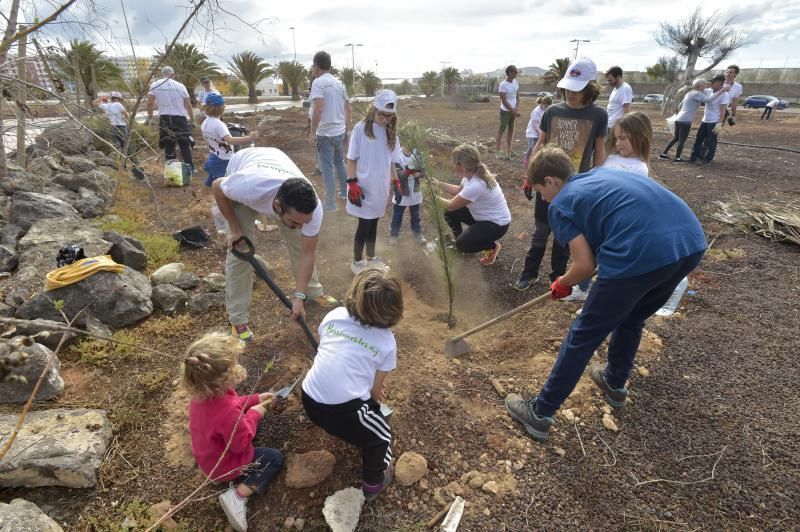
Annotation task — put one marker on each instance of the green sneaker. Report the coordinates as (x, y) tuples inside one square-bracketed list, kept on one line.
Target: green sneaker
[(242, 332), (522, 411)]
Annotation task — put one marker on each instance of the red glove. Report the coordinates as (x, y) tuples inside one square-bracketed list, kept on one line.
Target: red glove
[(527, 189), (354, 192), (409, 172), (558, 290)]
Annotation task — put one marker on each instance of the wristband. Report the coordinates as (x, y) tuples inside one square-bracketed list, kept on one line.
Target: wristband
[(351, 180), (299, 295)]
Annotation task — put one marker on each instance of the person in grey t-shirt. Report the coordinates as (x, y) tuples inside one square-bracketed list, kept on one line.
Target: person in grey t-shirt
[(683, 122)]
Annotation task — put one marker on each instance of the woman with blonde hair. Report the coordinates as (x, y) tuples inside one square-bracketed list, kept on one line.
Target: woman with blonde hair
[(478, 202)]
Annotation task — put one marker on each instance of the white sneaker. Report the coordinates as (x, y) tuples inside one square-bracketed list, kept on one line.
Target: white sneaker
[(235, 509), (377, 263), (358, 266), (577, 295)]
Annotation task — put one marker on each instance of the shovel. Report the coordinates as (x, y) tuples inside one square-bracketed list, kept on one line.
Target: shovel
[(456, 345), (284, 392), (250, 256)]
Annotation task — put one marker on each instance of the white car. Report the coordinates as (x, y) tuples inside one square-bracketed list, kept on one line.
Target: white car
[(654, 98)]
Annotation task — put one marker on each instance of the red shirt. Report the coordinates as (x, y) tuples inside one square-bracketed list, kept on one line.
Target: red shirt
[(210, 424)]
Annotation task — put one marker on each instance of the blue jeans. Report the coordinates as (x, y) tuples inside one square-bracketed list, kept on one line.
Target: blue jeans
[(705, 143), (266, 464), (618, 307), (397, 219), (331, 159)]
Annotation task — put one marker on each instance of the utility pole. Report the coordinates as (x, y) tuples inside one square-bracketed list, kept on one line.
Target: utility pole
[(444, 64), (353, 52), (577, 44), (294, 44), (22, 74)]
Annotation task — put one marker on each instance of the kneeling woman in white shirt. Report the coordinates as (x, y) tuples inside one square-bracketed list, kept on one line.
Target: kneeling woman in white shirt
[(478, 202)]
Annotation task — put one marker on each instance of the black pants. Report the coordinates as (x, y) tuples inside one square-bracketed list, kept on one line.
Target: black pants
[(174, 129), (366, 234), (478, 236), (359, 423), (559, 255), (682, 130), (705, 143), (767, 112)]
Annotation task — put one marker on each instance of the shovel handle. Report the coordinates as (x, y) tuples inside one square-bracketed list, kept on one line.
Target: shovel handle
[(533, 302)]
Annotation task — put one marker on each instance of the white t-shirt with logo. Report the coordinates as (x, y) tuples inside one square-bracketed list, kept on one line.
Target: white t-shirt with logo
[(532, 132), (486, 205), (214, 131), (374, 162), (115, 112), (510, 89), (629, 164), (736, 89), (618, 98), (169, 96), (334, 96), (254, 176), (712, 113), (349, 354), (414, 198)]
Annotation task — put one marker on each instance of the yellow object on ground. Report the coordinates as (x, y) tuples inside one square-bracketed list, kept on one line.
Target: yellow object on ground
[(80, 270)]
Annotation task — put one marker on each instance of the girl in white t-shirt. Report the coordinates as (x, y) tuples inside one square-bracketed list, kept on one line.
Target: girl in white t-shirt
[(373, 148), (407, 193), (629, 144), (532, 132), (344, 387), (478, 203)]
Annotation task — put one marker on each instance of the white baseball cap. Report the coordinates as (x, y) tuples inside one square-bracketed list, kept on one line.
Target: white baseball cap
[(385, 101), (579, 73), (116, 94)]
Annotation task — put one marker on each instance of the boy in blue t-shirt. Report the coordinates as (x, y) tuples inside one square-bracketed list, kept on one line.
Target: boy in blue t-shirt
[(641, 238)]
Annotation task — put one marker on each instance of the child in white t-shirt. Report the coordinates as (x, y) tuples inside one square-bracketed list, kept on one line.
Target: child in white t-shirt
[(629, 144), (532, 132), (407, 193), (345, 385), (219, 138), (373, 148)]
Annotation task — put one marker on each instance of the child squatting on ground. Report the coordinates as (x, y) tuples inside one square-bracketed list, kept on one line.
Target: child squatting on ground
[(373, 148), (344, 386), (407, 193), (218, 414)]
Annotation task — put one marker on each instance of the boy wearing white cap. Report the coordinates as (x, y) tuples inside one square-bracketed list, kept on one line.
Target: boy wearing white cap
[(117, 115), (370, 172)]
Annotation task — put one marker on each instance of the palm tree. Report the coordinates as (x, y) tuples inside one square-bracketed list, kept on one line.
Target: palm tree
[(251, 69), (293, 74), (371, 82), (429, 82), (88, 58), (451, 77), (349, 77), (557, 71), (190, 64)]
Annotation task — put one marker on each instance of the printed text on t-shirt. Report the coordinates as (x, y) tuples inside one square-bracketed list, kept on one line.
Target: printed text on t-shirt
[(330, 329)]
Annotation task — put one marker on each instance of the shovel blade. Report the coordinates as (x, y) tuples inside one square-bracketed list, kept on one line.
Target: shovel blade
[(454, 348)]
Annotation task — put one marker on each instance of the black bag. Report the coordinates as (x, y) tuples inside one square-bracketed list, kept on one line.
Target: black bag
[(195, 237)]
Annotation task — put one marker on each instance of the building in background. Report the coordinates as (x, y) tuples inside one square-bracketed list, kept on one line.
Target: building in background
[(36, 73), (129, 66), (268, 87)]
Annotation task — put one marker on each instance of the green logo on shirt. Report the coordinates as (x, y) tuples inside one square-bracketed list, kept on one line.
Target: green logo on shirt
[(355, 339)]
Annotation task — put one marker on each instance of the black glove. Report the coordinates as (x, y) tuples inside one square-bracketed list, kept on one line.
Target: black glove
[(731, 121), (528, 190)]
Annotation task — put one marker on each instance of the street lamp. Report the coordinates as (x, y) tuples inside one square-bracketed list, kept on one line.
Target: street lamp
[(294, 44), (577, 44), (353, 52)]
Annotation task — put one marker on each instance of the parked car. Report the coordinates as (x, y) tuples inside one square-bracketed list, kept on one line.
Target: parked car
[(758, 101), (653, 98), (544, 93)]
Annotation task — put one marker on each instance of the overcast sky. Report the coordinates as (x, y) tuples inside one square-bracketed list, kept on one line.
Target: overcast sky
[(403, 39)]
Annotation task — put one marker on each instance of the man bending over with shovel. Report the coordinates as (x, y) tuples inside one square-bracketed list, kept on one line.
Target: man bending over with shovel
[(642, 239), (266, 181)]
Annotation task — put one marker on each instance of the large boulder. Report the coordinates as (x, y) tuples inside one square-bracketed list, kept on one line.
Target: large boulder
[(38, 326), (410, 467), (116, 299), (57, 447), (167, 274), (308, 469), (33, 358), (29, 207), (67, 138), (187, 281), (170, 298), (89, 204), (79, 164), (21, 181), (202, 303), (62, 193), (94, 180), (11, 234), (24, 516), (126, 250), (342, 510), (8, 259)]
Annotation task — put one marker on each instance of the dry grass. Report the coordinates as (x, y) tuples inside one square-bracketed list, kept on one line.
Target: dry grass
[(777, 221)]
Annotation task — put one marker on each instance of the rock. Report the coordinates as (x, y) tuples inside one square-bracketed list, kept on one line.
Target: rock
[(17, 297), (187, 281), (477, 480), (89, 204), (67, 138), (214, 282), (97, 327), (200, 303), (491, 487), (167, 274), (34, 357), (58, 447), (21, 181), (8, 259), (299, 523), (6, 311), (289, 523), (62, 193), (36, 326), (11, 234), (569, 415), (644, 372), (116, 299), (41, 168), (159, 509), (95, 180), (559, 451), (169, 298), (308, 469), (342, 510), (101, 159), (410, 467), (79, 164), (30, 207), (24, 516), (126, 250), (609, 423)]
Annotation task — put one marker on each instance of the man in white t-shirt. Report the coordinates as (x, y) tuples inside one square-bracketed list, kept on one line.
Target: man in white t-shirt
[(174, 107), (619, 102), (735, 91), (206, 88), (117, 115), (330, 121), (509, 108), (705, 144), (266, 181)]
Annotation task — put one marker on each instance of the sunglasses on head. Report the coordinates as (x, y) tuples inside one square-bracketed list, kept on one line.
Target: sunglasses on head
[(385, 115)]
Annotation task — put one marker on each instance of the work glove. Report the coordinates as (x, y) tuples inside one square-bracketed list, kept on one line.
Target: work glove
[(558, 290), (398, 191), (731, 121), (716, 129), (354, 192), (527, 189)]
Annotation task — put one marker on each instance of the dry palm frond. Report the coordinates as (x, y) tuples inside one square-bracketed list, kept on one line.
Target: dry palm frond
[(777, 221)]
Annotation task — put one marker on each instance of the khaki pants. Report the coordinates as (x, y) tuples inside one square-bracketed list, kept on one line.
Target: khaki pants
[(239, 274)]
